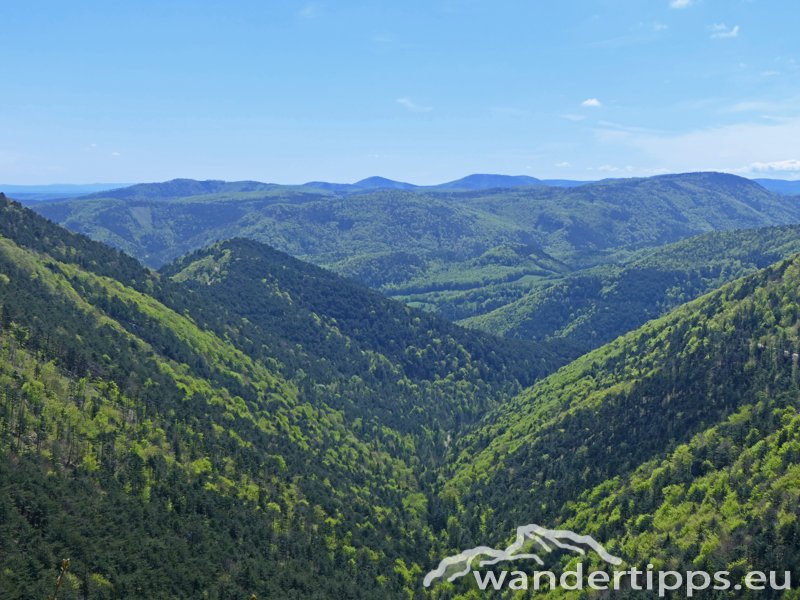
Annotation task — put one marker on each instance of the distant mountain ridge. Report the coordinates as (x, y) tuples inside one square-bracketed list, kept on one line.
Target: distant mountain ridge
[(476, 181), (61, 188), (592, 215), (382, 183), (780, 186), (56, 191), (483, 181), (460, 253), (183, 187)]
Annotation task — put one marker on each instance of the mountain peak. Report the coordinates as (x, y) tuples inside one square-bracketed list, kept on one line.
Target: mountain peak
[(376, 182), (715, 177), (485, 181)]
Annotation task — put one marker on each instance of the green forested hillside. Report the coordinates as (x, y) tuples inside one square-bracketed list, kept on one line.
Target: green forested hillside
[(676, 444), (244, 423), (337, 339), (591, 307), (194, 436), (460, 253)]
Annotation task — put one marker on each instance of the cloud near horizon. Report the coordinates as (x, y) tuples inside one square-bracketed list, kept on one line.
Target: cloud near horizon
[(720, 31), (762, 147), (409, 104), (777, 166)]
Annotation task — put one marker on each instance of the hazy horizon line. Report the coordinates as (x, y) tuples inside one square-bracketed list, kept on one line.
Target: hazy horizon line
[(311, 181)]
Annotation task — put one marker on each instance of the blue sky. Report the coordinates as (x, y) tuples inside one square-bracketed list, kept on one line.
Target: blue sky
[(422, 91)]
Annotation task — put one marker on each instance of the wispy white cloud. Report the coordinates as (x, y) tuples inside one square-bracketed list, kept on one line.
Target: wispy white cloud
[(591, 103), (724, 148), (571, 117), (643, 32), (776, 166), (409, 104), (613, 169), (774, 118), (749, 106), (786, 106), (115, 154), (626, 128), (720, 31), (610, 132), (310, 10), (563, 165), (680, 3)]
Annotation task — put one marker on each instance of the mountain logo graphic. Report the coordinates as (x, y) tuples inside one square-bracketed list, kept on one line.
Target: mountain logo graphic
[(528, 538)]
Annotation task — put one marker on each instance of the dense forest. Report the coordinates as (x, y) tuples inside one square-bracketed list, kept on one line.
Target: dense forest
[(677, 444), (591, 307), (281, 452), (244, 423), (457, 251)]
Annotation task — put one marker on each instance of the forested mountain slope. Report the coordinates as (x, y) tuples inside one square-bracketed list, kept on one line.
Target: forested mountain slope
[(456, 252), (423, 373), (677, 444), (172, 447), (242, 422), (591, 307)]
